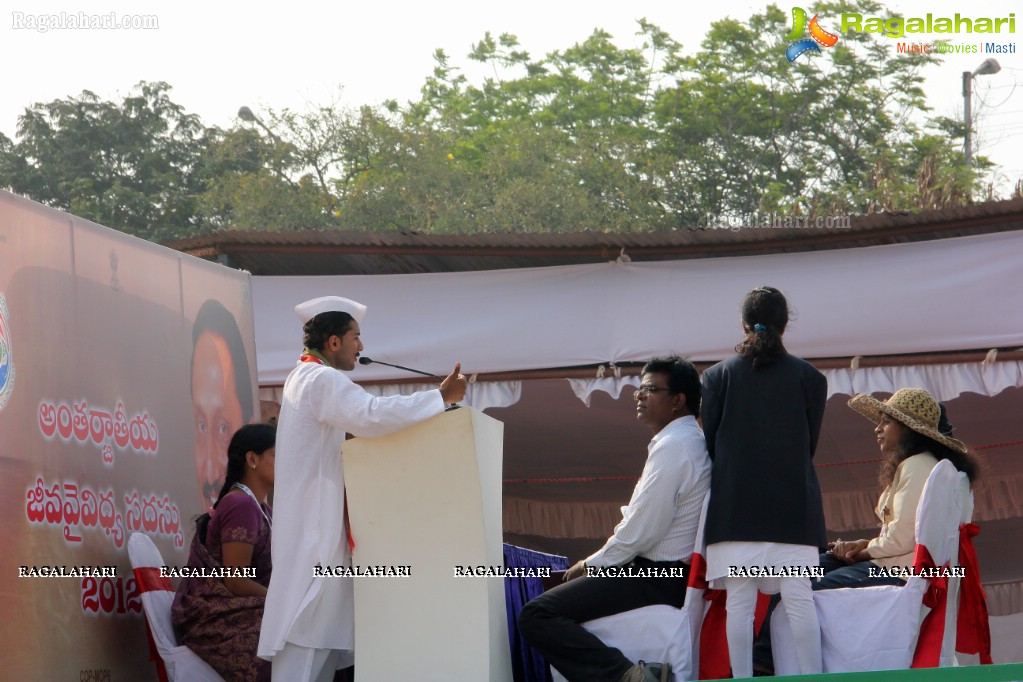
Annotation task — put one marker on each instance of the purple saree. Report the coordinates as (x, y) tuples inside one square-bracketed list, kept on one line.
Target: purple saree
[(223, 629)]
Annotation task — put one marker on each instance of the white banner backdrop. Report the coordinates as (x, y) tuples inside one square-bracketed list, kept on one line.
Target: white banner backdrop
[(942, 295)]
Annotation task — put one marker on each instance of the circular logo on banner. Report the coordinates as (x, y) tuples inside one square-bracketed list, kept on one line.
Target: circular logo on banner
[(6, 359)]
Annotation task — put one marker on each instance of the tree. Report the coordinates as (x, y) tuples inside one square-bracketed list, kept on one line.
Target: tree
[(249, 186), (557, 144), (131, 166), (833, 133), (651, 139), (295, 170), (591, 137)]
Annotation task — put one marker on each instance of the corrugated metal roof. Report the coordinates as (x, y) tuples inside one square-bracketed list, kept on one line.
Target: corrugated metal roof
[(338, 252)]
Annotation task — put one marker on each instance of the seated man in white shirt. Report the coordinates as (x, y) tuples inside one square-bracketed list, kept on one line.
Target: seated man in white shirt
[(657, 534)]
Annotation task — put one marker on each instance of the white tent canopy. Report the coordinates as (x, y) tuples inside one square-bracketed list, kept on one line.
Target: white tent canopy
[(943, 295)]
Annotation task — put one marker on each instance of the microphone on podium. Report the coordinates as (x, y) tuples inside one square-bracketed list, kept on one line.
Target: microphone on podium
[(363, 360)]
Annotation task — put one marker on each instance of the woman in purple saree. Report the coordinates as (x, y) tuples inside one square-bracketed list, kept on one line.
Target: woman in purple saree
[(217, 614)]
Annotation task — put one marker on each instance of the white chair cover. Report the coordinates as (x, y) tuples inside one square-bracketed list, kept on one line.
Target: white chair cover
[(182, 664), (657, 633), (876, 628)]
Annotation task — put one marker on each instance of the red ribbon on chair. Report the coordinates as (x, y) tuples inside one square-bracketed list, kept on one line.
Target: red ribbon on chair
[(763, 601), (148, 578), (932, 629), (714, 661), (698, 572), (973, 634)]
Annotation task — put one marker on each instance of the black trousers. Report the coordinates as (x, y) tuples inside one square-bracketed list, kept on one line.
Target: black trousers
[(552, 621)]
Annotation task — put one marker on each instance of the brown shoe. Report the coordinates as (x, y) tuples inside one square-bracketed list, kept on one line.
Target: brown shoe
[(648, 672)]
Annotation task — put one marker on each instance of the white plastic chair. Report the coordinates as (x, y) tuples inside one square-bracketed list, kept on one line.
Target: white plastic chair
[(179, 663), (877, 628), (657, 633)]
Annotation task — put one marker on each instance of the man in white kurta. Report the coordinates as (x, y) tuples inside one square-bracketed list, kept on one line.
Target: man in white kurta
[(308, 622)]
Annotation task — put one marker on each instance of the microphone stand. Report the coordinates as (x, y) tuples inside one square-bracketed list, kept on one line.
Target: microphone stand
[(364, 360)]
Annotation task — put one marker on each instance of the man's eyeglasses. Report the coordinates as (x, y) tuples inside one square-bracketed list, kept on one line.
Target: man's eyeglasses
[(644, 390)]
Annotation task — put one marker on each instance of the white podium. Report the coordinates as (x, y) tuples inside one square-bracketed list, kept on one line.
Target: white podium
[(429, 498)]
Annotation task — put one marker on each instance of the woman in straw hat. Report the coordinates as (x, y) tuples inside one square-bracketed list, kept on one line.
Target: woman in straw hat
[(762, 413), (914, 435)]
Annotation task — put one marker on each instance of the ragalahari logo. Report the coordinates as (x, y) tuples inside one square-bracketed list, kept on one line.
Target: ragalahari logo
[(800, 45), (6, 361)]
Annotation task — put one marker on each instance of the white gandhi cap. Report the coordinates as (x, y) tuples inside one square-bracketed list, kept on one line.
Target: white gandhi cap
[(326, 304)]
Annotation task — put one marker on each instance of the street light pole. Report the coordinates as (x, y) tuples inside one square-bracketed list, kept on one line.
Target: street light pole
[(245, 114), (968, 115), (989, 66)]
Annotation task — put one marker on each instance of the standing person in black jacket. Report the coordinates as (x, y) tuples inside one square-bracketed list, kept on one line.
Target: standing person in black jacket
[(762, 413)]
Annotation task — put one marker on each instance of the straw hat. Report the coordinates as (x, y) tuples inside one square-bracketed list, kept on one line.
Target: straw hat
[(914, 407)]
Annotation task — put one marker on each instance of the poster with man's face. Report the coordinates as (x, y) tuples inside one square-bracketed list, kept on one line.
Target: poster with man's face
[(99, 399), (221, 375)]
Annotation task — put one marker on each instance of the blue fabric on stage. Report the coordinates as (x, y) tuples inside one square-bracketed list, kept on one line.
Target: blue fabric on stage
[(527, 664)]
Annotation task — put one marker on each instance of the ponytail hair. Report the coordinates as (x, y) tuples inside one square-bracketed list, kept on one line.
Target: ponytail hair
[(256, 438), (765, 313)]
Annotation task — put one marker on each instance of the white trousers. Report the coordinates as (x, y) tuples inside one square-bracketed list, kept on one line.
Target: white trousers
[(296, 663), (741, 604)]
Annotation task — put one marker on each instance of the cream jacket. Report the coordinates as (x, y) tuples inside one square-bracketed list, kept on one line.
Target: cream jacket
[(896, 509)]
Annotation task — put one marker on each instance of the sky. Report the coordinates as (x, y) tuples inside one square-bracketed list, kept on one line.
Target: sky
[(218, 56)]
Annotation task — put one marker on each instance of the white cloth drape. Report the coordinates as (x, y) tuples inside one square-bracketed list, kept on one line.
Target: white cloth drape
[(944, 381), (480, 395), (941, 295)]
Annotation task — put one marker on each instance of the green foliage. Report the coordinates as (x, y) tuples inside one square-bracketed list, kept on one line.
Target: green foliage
[(600, 137), (828, 134), (255, 182), (591, 137), (129, 165), (557, 144)]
